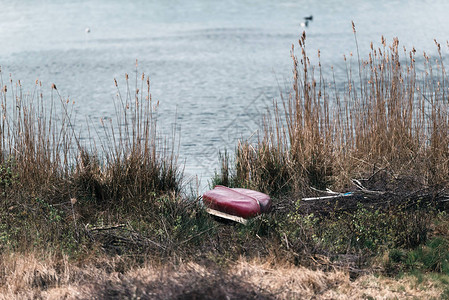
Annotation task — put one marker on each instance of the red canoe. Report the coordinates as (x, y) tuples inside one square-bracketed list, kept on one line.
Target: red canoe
[(236, 201)]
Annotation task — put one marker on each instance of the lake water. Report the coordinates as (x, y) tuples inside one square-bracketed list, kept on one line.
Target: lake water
[(215, 66)]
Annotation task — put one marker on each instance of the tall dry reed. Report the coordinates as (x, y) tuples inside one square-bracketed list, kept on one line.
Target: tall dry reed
[(387, 115), (52, 182), (137, 163)]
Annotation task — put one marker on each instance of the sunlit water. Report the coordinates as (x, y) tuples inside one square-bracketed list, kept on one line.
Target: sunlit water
[(215, 66)]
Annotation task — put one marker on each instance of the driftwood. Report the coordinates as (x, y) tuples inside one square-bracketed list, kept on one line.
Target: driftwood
[(226, 216)]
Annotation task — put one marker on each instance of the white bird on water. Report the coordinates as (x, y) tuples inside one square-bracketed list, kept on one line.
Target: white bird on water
[(87, 30)]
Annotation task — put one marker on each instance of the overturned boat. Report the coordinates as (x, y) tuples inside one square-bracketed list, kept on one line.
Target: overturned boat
[(236, 204)]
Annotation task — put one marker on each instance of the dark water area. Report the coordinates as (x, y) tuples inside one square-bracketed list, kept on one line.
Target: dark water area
[(215, 66)]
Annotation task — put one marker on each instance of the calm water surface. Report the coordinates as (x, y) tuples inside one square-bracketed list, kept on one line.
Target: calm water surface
[(215, 66)]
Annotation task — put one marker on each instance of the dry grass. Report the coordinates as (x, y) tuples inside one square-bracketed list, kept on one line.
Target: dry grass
[(44, 155), (30, 277), (389, 115)]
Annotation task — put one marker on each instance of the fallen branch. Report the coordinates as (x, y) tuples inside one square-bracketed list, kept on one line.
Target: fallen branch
[(126, 236), (359, 185), (105, 227), (327, 191), (328, 197)]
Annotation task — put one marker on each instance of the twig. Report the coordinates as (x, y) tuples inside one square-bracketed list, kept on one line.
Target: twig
[(146, 239), (365, 190), (198, 234), (105, 227), (286, 241), (74, 218), (328, 197), (375, 173), (327, 191)]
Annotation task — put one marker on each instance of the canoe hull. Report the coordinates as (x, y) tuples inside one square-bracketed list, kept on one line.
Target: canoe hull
[(238, 202), (263, 199)]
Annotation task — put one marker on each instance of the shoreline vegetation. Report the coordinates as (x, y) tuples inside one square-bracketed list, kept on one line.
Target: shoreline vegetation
[(113, 219)]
